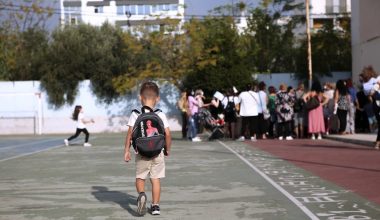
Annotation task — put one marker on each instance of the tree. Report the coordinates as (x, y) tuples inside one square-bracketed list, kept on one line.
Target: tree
[(24, 15), (22, 38), (226, 67), (331, 51), (82, 52), (274, 40)]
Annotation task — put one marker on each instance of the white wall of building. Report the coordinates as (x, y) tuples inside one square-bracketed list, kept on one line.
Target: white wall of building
[(365, 35), (110, 14), (318, 7)]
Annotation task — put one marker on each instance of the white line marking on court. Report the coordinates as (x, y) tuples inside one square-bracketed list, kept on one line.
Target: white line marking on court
[(29, 143), (274, 184), (39, 151), (30, 153)]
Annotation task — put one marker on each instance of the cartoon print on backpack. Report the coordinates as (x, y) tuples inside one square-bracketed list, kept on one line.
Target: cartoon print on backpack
[(150, 131)]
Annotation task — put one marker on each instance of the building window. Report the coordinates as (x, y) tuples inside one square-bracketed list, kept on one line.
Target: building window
[(154, 8), (174, 7), (132, 9), (98, 9), (147, 9), (140, 9), (319, 23), (120, 10)]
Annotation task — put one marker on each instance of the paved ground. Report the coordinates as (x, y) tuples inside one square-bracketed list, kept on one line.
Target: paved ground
[(208, 180)]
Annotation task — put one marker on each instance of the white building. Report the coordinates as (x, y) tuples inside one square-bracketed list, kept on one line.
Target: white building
[(365, 31), (328, 11), (123, 13)]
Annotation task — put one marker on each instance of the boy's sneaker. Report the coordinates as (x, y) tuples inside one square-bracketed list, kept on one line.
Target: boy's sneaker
[(87, 145), (155, 209), (253, 139), (280, 138), (242, 138), (141, 204), (66, 142)]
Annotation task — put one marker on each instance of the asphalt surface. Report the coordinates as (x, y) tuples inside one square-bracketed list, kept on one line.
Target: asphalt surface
[(207, 180)]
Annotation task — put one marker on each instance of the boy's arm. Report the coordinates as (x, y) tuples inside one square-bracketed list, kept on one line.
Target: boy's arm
[(168, 141), (127, 146)]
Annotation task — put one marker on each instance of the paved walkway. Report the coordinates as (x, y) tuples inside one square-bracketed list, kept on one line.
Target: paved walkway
[(360, 139), (207, 180)]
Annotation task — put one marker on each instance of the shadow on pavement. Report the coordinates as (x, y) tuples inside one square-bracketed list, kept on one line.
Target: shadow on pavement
[(124, 200)]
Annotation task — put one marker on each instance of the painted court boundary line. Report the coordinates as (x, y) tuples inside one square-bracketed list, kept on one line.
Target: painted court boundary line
[(35, 152), (273, 183), (29, 143)]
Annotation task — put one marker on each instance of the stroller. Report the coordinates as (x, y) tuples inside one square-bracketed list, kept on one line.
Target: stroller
[(212, 124)]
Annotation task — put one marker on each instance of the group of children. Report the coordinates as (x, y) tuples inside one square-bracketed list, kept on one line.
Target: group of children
[(154, 167)]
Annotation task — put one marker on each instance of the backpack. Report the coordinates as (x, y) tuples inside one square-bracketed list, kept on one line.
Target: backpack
[(148, 133), (230, 109)]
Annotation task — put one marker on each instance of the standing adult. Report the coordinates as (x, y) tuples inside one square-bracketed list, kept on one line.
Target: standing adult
[(328, 109), (316, 124), (230, 116), (262, 129), (352, 109), (193, 118), (272, 110), (342, 103), (183, 107), (371, 88), (299, 111), (284, 109), (249, 101)]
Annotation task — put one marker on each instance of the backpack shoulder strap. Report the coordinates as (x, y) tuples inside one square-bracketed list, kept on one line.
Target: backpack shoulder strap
[(136, 111), (157, 110)]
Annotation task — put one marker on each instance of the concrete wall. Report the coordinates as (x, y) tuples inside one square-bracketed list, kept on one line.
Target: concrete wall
[(290, 79), (19, 107), (365, 35)]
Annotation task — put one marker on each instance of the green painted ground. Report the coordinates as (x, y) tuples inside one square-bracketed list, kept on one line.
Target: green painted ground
[(204, 181)]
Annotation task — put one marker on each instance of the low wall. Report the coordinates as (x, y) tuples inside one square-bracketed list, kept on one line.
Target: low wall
[(21, 111)]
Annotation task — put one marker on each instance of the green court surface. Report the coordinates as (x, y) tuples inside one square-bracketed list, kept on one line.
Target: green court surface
[(206, 180)]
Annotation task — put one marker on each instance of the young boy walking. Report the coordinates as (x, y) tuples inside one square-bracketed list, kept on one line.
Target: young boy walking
[(154, 167)]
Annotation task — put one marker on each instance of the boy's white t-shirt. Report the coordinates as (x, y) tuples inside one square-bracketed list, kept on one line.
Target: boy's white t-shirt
[(80, 123), (134, 115)]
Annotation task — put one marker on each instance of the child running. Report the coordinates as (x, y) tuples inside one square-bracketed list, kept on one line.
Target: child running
[(81, 126), (155, 167)]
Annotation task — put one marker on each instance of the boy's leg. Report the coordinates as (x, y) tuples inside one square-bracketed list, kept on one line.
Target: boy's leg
[(140, 185), (156, 190), (141, 199)]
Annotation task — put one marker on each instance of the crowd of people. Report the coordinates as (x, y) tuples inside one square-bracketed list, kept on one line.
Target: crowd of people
[(285, 113)]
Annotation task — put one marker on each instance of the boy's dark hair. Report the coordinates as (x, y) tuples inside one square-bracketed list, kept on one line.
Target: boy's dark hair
[(149, 90), (76, 112)]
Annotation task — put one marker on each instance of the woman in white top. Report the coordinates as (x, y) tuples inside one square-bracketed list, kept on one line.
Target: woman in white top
[(81, 126), (249, 102)]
